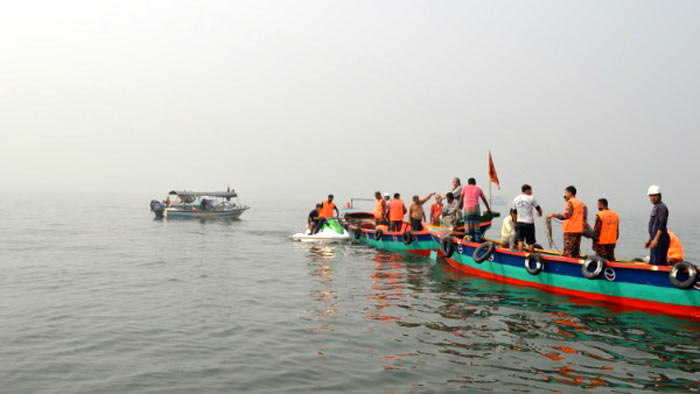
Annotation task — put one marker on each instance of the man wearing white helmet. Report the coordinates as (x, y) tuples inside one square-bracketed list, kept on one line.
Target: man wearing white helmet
[(659, 240)]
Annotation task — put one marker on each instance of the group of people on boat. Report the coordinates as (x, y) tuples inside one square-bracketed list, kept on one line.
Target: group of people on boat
[(462, 205), (519, 227), (389, 212)]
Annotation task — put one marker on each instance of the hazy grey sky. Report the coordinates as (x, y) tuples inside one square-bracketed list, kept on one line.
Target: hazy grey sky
[(302, 98)]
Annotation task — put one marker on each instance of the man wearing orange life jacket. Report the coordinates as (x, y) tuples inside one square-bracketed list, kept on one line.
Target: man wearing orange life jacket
[(328, 207), (675, 249), (606, 231), (436, 211), (573, 222), (397, 210), (380, 209)]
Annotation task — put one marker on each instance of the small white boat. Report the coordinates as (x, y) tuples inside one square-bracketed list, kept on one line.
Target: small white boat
[(332, 231), (199, 205)]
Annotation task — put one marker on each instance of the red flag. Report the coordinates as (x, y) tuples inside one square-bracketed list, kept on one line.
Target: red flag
[(492, 172)]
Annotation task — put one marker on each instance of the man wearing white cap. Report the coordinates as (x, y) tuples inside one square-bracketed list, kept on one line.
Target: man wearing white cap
[(659, 240)]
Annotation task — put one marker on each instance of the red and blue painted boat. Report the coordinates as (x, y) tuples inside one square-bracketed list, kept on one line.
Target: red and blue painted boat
[(362, 228), (670, 290), (415, 242)]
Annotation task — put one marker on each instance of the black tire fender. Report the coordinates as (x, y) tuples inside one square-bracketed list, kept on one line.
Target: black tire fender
[(535, 258), (596, 261), (358, 232), (407, 237), (378, 234), (678, 268), (448, 246), (483, 252)]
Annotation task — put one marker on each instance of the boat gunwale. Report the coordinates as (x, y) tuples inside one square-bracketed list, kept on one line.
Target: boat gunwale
[(570, 260)]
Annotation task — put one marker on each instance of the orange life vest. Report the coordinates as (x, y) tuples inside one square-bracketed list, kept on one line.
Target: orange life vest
[(675, 249), (608, 231), (327, 209), (379, 209), (396, 211), (574, 225)]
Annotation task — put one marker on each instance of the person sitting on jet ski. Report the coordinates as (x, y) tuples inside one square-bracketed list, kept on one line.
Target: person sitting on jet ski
[(315, 220)]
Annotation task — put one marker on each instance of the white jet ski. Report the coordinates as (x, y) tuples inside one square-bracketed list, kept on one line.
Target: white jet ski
[(331, 231)]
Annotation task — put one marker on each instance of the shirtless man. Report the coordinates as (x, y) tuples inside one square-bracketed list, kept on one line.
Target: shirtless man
[(416, 214)]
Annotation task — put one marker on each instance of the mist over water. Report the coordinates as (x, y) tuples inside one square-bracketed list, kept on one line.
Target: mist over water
[(99, 297)]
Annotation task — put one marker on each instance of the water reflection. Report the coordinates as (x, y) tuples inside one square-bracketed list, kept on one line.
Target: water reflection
[(325, 297), (533, 335), (472, 333), (387, 284)]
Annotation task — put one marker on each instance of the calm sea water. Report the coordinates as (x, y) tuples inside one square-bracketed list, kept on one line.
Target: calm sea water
[(95, 296)]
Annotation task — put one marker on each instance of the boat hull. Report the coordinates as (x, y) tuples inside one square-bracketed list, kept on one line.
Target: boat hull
[(639, 287), (169, 213), (422, 243)]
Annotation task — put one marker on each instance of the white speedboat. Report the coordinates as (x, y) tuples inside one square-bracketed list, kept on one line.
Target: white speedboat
[(199, 205), (332, 231)]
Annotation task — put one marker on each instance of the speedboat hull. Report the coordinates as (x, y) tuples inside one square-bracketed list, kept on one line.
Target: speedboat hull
[(331, 231), (637, 286), (174, 213), (321, 237)]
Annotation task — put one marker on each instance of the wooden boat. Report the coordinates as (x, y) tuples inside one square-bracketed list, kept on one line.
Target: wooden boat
[(670, 290), (406, 240), (420, 242)]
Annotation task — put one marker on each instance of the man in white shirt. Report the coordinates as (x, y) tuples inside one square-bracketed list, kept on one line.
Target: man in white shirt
[(526, 204), (456, 188), (508, 229)]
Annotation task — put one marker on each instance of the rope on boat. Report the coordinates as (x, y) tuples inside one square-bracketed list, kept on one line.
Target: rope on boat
[(550, 238)]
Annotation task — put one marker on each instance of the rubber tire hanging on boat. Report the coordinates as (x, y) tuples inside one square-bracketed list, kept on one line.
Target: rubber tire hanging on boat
[(358, 232), (448, 246), (378, 234), (407, 237), (600, 266), (683, 266), (488, 247), (537, 258)]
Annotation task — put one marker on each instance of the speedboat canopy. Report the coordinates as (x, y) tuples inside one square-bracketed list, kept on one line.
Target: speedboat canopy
[(230, 194)]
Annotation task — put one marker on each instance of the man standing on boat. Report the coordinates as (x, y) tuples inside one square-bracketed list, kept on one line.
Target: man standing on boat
[(387, 198), (456, 188), (658, 241), (380, 209), (573, 222), (526, 204), (416, 214), (436, 211), (328, 207), (450, 212), (397, 210), (606, 231), (472, 212)]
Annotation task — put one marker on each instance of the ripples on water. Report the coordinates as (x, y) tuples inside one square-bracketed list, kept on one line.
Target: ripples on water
[(103, 299)]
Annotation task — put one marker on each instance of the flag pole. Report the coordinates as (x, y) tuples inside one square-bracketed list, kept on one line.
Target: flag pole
[(490, 183)]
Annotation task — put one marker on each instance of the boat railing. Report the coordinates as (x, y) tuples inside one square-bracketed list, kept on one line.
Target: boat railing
[(352, 201)]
